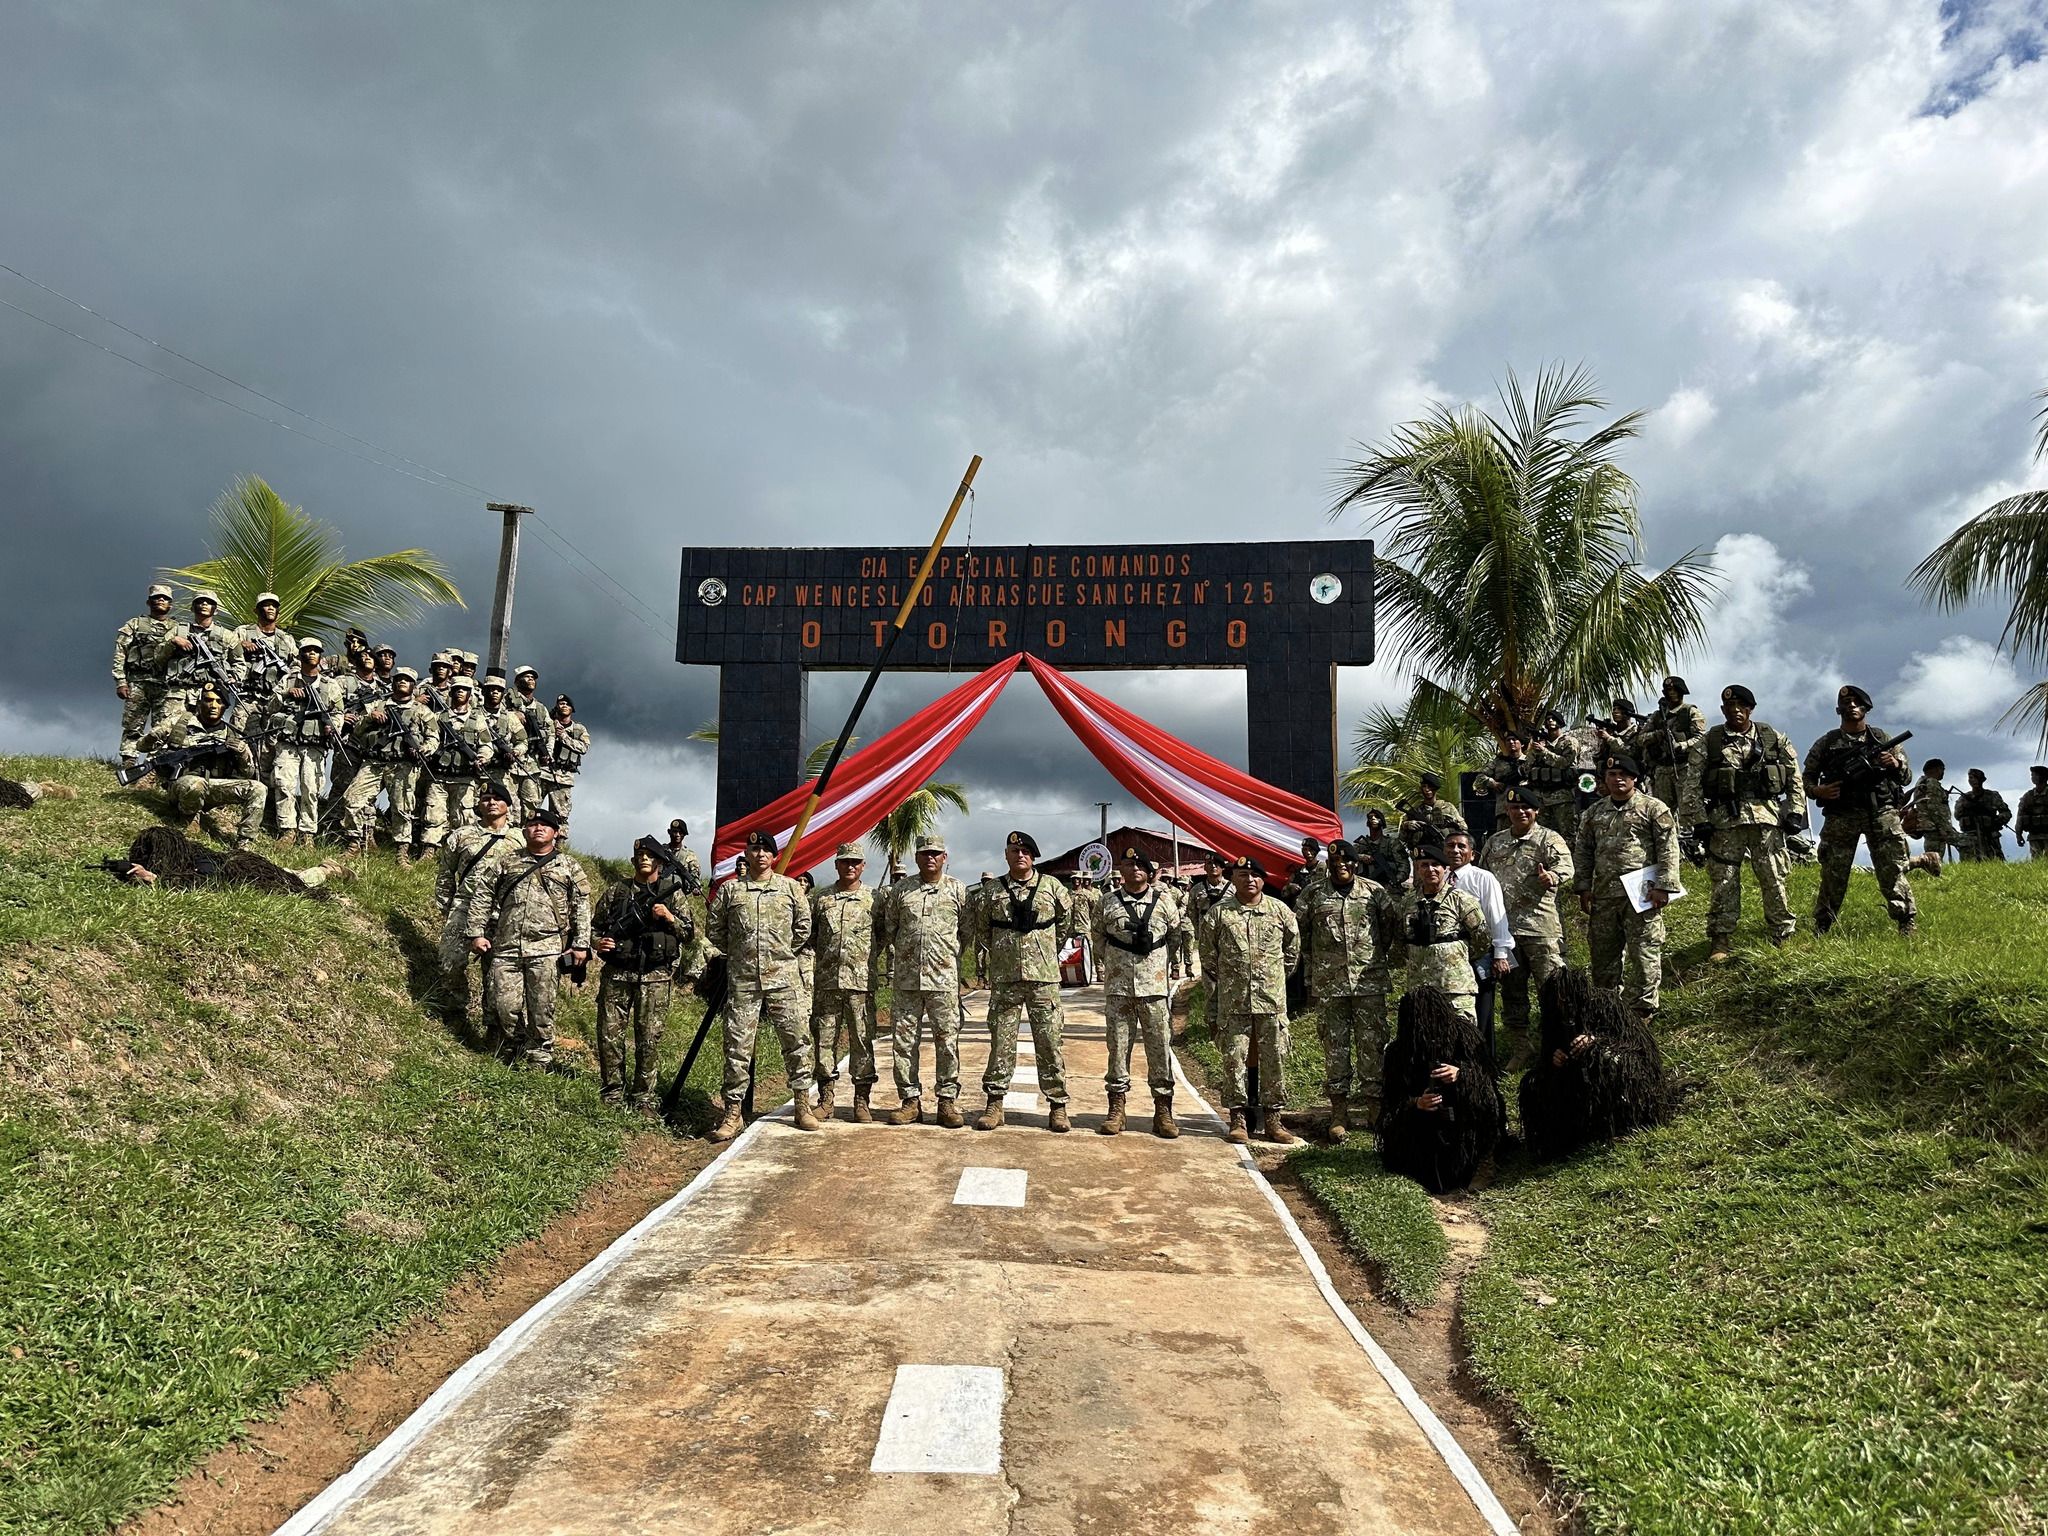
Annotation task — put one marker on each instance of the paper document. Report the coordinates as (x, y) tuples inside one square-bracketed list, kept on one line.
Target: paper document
[(1637, 882)]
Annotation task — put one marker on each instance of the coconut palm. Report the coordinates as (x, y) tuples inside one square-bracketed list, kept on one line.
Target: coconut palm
[(814, 760), (1432, 732), (902, 827), (1508, 545), (264, 544), (2003, 550)]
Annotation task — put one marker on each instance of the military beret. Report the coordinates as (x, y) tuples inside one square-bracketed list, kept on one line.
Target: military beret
[(268, 597), (495, 790), (519, 672), (1432, 780), (460, 684), (1977, 773), (1855, 693), (931, 842), (212, 690), (1429, 851), (2039, 768), (652, 844), (540, 815), (407, 673), (1522, 795), (1677, 684), (1342, 852), (849, 851), (1250, 866), (679, 825), (205, 595), (1312, 841), (1023, 840), (313, 643), (761, 838), (1735, 693), (1621, 762), (158, 589), (1139, 857), (1215, 859), (563, 698)]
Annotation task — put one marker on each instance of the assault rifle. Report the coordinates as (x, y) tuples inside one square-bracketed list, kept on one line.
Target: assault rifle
[(310, 704), (1853, 765), (216, 669), (501, 748), (172, 764), (268, 646)]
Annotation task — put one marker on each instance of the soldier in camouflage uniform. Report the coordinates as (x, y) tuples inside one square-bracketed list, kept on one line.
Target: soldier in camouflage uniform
[(1030, 917), (359, 690), (681, 855), (468, 864), (1982, 814), (1207, 893), (1352, 920), (138, 670), (195, 654), (760, 921), (265, 653), (1625, 832), (458, 764), (647, 938), (1511, 766), (1740, 794), (305, 721), (535, 914), (507, 730), (2031, 825), (1250, 942), (222, 771), (843, 987), (1430, 817), (1562, 756), (1444, 933), (560, 756), (434, 691), (1612, 733), (1668, 742), (1856, 777), (1381, 855), (1133, 933), (397, 736), (534, 716), (926, 921), (1930, 804), (1532, 863)]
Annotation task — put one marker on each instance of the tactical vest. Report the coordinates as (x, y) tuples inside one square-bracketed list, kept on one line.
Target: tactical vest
[(1756, 777), (451, 759), (188, 669), (1023, 911), (564, 756), (304, 725), (1141, 941), (2033, 817), (138, 656)]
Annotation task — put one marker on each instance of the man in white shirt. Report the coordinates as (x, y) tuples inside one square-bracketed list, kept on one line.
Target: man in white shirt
[(1481, 884)]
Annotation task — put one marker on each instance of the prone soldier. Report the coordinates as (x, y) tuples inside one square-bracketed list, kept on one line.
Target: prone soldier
[(843, 931), (533, 921), (1029, 917), (467, 866), (1742, 796), (1133, 931), (305, 721), (1250, 943), (1856, 773), (1351, 919), (139, 669), (1625, 832), (760, 920), (647, 940), (926, 922), (1982, 814)]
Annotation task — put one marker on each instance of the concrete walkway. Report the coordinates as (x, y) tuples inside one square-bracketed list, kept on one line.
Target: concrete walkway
[(908, 1330)]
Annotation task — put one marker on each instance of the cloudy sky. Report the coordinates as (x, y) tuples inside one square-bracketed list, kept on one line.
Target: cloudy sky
[(769, 273)]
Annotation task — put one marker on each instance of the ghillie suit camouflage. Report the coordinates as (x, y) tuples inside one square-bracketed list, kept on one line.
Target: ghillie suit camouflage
[(1608, 1088), (1439, 1148), (15, 797), (179, 862)]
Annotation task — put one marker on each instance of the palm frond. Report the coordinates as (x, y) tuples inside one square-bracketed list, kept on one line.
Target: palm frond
[(2003, 550)]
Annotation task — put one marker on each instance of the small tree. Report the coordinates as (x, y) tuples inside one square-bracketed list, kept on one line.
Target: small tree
[(920, 814), (1432, 733)]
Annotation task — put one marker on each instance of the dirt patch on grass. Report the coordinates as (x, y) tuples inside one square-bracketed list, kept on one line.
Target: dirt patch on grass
[(252, 1485)]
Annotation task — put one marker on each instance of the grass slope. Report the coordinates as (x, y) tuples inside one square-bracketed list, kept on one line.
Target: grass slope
[(232, 1147)]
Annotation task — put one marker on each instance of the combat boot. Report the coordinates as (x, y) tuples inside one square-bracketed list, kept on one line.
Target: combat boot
[(727, 1127), (1339, 1128), (405, 855), (909, 1112), (1719, 956), (1163, 1124), (1277, 1132), (826, 1095), (1113, 1122), (287, 839), (949, 1114), (863, 1114), (991, 1119), (803, 1119), (1237, 1134), (1057, 1120)]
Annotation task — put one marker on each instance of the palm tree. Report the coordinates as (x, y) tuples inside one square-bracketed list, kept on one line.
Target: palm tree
[(814, 760), (1432, 732), (2003, 550), (263, 544), (902, 827), (1507, 576)]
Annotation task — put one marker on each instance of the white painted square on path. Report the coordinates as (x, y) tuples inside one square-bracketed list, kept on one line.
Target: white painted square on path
[(1024, 1077), (991, 1186), (943, 1418), (1025, 1100)]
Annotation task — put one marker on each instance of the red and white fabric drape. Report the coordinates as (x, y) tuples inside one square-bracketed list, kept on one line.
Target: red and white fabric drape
[(1217, 805)]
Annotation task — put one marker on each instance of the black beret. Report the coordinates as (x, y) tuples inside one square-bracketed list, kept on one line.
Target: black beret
[(1429, 851), (1343, 851), (1250, 866), (1677, 684), (1623, 763), (680, 825), (1432, 779), (1022, 840), (1735, 693), (761, 838), (655, 850), (544, 817), (497, 791), (1522, 795), (1137, 856), (1857, 694)]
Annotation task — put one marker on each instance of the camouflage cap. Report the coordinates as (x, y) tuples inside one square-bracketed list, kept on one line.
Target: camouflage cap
[(268, 597), (519, 672), (383, 648), (931, 842), (158, 589), (313, 643), (469, 657), (460, 684), (849, 851), (442, 659), (205, 595), (407, 673)]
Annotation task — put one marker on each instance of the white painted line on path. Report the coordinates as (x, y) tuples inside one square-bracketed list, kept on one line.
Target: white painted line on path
[(991, 1186), (1469, 1477), (1026, 1101), (943, 1418), (1025, 1077)]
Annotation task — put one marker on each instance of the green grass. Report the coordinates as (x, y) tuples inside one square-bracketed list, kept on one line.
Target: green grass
[(233, 1146), (1386, 1220)]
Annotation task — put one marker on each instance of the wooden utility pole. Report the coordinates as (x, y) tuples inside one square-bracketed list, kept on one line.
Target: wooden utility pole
[(508, 569), (1103, 806)]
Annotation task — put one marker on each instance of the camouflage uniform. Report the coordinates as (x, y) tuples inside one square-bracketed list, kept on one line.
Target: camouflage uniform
[(1517, 863), (1872, 815), (534, 912), (637, 984), (1563, 754), (1627, 946), (559, 759), (1247, 953), (1668, 745), (507, 754), (357, 695), (276, 657), (1349, 955), (305, 720), (2033, 820), (186, 672), (1502, 775), (843, 993), (468, 865), (387, 765), (1383, 859), (760, 926), (1024, 927), (1734, 787), (1202, 899), (1133, 938), (539, 725), (1982, 814), (923, 929), (224, 776), (1938, 827), (1444, 936), (460, 759), (1438, 821), (139, 668)]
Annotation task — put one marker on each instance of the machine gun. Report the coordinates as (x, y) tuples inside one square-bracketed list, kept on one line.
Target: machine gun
[(171, 764)]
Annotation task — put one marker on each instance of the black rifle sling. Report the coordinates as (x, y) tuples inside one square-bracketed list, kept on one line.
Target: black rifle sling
[(477, 858), (1141, 941)]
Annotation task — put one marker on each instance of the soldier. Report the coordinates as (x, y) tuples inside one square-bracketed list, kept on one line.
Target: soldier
[(355, 650), (647, 939), (2031, 827), (1030, 916), (1250, 942), (1982, 814), (843, 931), (1510, 767), (139, 669), (1561, 758), (1133, 931), (468, 864), (1206, 894), (534, 716), (266, 652), (195, 654), (1381, 855), (1930, 804), (926, 921), (1352, 919), (1741, 795), (560, 755), (760, 921), (532, 920), (434, 691), (1428, 816), (682, 858), (466, 663), (1531, 862), (457, 765), (1444, 933), (1625, 832), (1088, 898), (1614, 733), (214, 766), (506, 728), (1482, 887), (305, 721), (362, 688), (1668, 742), (1857, 776), (386, 659), (396, 735)]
